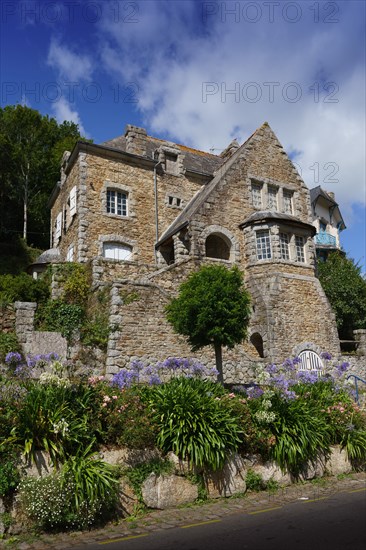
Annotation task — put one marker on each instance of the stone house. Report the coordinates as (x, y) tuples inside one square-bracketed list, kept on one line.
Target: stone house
[(145, 212), (328, 222)]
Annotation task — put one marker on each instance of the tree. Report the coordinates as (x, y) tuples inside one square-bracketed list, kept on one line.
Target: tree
[(212, 308), (31, 146), (345, 288)]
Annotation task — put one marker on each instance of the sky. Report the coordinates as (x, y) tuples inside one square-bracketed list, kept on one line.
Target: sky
[(202, 73)]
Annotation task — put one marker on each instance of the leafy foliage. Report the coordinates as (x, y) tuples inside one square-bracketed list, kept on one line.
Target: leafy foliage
[(55, 418), (9, 473), (24, 288), (345, 288), (31, 149), (212, 308), (193, 423), (95, 481), (59, 316), (8, 342)]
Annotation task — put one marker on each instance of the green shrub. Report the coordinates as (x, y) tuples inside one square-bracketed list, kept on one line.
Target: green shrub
[(126, 418), (45, 501), (254, 481), (193, 423), (9, 474), (54, 418), (22, 288), (59, 316), (8, 342), (95, 332), (75, 281), (95, 486), (301, 432)]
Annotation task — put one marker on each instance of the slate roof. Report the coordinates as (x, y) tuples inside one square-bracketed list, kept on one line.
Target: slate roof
[(194, 160), (317, 192), (201, 196), (264, 215)]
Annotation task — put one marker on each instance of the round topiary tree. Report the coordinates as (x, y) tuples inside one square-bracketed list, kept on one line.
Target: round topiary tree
[(212, 308)]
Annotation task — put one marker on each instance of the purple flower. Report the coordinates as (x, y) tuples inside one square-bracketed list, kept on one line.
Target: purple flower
[(123, 379), (254, 392), (308, 377), (154, 380), (272, 368), (12, 358), (343, 367), (326, 356)]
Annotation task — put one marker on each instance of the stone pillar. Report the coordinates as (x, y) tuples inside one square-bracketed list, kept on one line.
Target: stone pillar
[(360, 337), (24, 320)]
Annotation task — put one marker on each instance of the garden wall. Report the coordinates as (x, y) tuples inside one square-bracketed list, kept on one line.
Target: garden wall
[(171, 490), (7, 318)]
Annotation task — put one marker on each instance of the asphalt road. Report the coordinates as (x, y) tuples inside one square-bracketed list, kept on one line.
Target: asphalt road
[(335, 522)]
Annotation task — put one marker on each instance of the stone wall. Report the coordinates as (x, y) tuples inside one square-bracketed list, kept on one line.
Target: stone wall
[(36, 342), (7, 318), (176, 489)]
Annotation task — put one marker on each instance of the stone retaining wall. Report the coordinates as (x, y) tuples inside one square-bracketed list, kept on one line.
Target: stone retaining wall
[(171, 490)]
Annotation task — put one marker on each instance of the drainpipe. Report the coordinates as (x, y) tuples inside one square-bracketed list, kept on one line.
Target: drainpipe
[(156, 210)]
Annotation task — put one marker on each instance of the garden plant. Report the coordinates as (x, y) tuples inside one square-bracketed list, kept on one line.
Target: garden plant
[(290, 416)]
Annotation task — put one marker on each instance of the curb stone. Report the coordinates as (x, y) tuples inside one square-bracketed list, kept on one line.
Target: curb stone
[(168, 519)]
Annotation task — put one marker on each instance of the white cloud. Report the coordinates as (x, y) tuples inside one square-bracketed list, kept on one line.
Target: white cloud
[(63, 111), (71, 66), (171, 60)]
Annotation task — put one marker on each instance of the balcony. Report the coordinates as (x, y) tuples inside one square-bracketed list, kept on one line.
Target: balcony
[(325, 239)]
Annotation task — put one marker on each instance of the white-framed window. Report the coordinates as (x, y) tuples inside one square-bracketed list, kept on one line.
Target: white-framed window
[(70, 253), (257, 195), (117, 202), (72, 201), (284, 246), (272, 198), (58, 226), (263, 242), (117, 251), (287, 202), (300, 248)]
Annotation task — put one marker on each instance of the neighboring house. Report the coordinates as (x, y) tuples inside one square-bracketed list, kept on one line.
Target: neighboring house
[(327, 220), (146, 212)]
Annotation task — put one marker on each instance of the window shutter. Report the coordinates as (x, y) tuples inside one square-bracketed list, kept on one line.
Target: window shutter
[(73, 201), (58, 226)]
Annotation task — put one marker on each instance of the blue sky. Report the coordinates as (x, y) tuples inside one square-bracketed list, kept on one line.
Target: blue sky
[(202, 73)]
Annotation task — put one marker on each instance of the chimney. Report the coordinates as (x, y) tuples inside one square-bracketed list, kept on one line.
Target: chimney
[(332, 195), (135, 140)]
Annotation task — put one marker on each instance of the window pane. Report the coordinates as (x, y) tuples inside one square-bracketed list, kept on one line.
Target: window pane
[(115, 251), (272, 198), (257, 195), (116, 203), (284, 246), (287, 202), (263, 245), (300, 254)]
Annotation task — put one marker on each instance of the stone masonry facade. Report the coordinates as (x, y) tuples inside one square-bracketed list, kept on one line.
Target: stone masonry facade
[(145, 213)]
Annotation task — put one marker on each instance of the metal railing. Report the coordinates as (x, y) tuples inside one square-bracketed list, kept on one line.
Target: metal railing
[(357, 379), (325, 238)]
